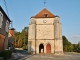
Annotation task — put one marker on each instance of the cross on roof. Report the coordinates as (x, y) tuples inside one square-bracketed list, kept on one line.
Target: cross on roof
[(44, 2)]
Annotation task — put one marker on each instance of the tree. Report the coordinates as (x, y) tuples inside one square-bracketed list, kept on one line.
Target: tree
[(75, 47), (67, 46), (78, 47), (17, 34), (21, 38), (20, 43), (70, 48), (24, 35), (65, 43)]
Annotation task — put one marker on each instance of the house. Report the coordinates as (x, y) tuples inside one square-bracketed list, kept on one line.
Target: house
[(4, 26), (45, 33), (11, 38)]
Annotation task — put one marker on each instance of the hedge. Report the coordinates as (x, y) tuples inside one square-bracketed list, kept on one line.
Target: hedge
[(6, 54)]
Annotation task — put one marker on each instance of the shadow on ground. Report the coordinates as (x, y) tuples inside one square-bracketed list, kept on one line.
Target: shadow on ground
[(20, 55)]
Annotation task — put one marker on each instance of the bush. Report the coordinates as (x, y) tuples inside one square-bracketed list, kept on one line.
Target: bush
[(6, 54), (24, 47), (78, 50)]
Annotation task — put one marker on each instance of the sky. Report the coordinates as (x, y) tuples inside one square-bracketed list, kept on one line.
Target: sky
[(20, 12)]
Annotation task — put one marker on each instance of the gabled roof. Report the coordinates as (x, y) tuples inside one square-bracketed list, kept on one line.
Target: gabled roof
[(42, 13), (5, 14)]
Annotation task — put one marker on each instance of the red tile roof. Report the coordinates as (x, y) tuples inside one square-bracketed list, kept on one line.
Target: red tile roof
[(42, 13)]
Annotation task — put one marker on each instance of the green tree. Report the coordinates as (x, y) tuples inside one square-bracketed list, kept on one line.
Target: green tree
[(70, 48), (75, 47), (17, 34), (23, 35), (67, 46), (78, 47)]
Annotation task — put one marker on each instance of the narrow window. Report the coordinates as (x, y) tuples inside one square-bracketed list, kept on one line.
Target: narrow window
[(1, 19), (7, 25)]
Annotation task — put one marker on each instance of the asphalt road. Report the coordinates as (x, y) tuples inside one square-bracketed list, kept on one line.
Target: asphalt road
[(23, 55), (19, 55)]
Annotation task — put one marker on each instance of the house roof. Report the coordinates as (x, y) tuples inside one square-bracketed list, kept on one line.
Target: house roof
[(12, 32), (5, 14), (44, 12)]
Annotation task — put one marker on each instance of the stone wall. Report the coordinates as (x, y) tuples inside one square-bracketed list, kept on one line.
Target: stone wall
[(31, 37), (44, 32)]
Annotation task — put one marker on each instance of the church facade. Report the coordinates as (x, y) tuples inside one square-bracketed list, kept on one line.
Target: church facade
[(45, 34)]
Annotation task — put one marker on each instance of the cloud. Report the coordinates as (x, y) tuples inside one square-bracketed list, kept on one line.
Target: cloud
[(75, 36), (74, 39)]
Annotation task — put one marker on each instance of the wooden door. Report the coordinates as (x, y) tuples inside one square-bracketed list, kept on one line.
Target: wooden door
[(48, 48), (1, 44)]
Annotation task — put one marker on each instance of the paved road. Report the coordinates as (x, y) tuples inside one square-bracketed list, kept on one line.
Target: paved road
[(66, 56), (22, 55), (19, 55)]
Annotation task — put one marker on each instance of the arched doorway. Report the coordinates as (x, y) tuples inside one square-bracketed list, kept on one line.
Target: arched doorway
[(48, 48), (41, 48)]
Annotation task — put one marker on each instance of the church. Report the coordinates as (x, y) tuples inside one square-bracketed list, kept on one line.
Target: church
[(45, 33)]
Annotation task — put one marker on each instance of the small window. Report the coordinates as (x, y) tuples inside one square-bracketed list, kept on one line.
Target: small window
[(7, 25), (1, 19), (45, 15)]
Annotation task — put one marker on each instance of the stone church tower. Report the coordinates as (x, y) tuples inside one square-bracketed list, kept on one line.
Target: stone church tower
[(45, 34)]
